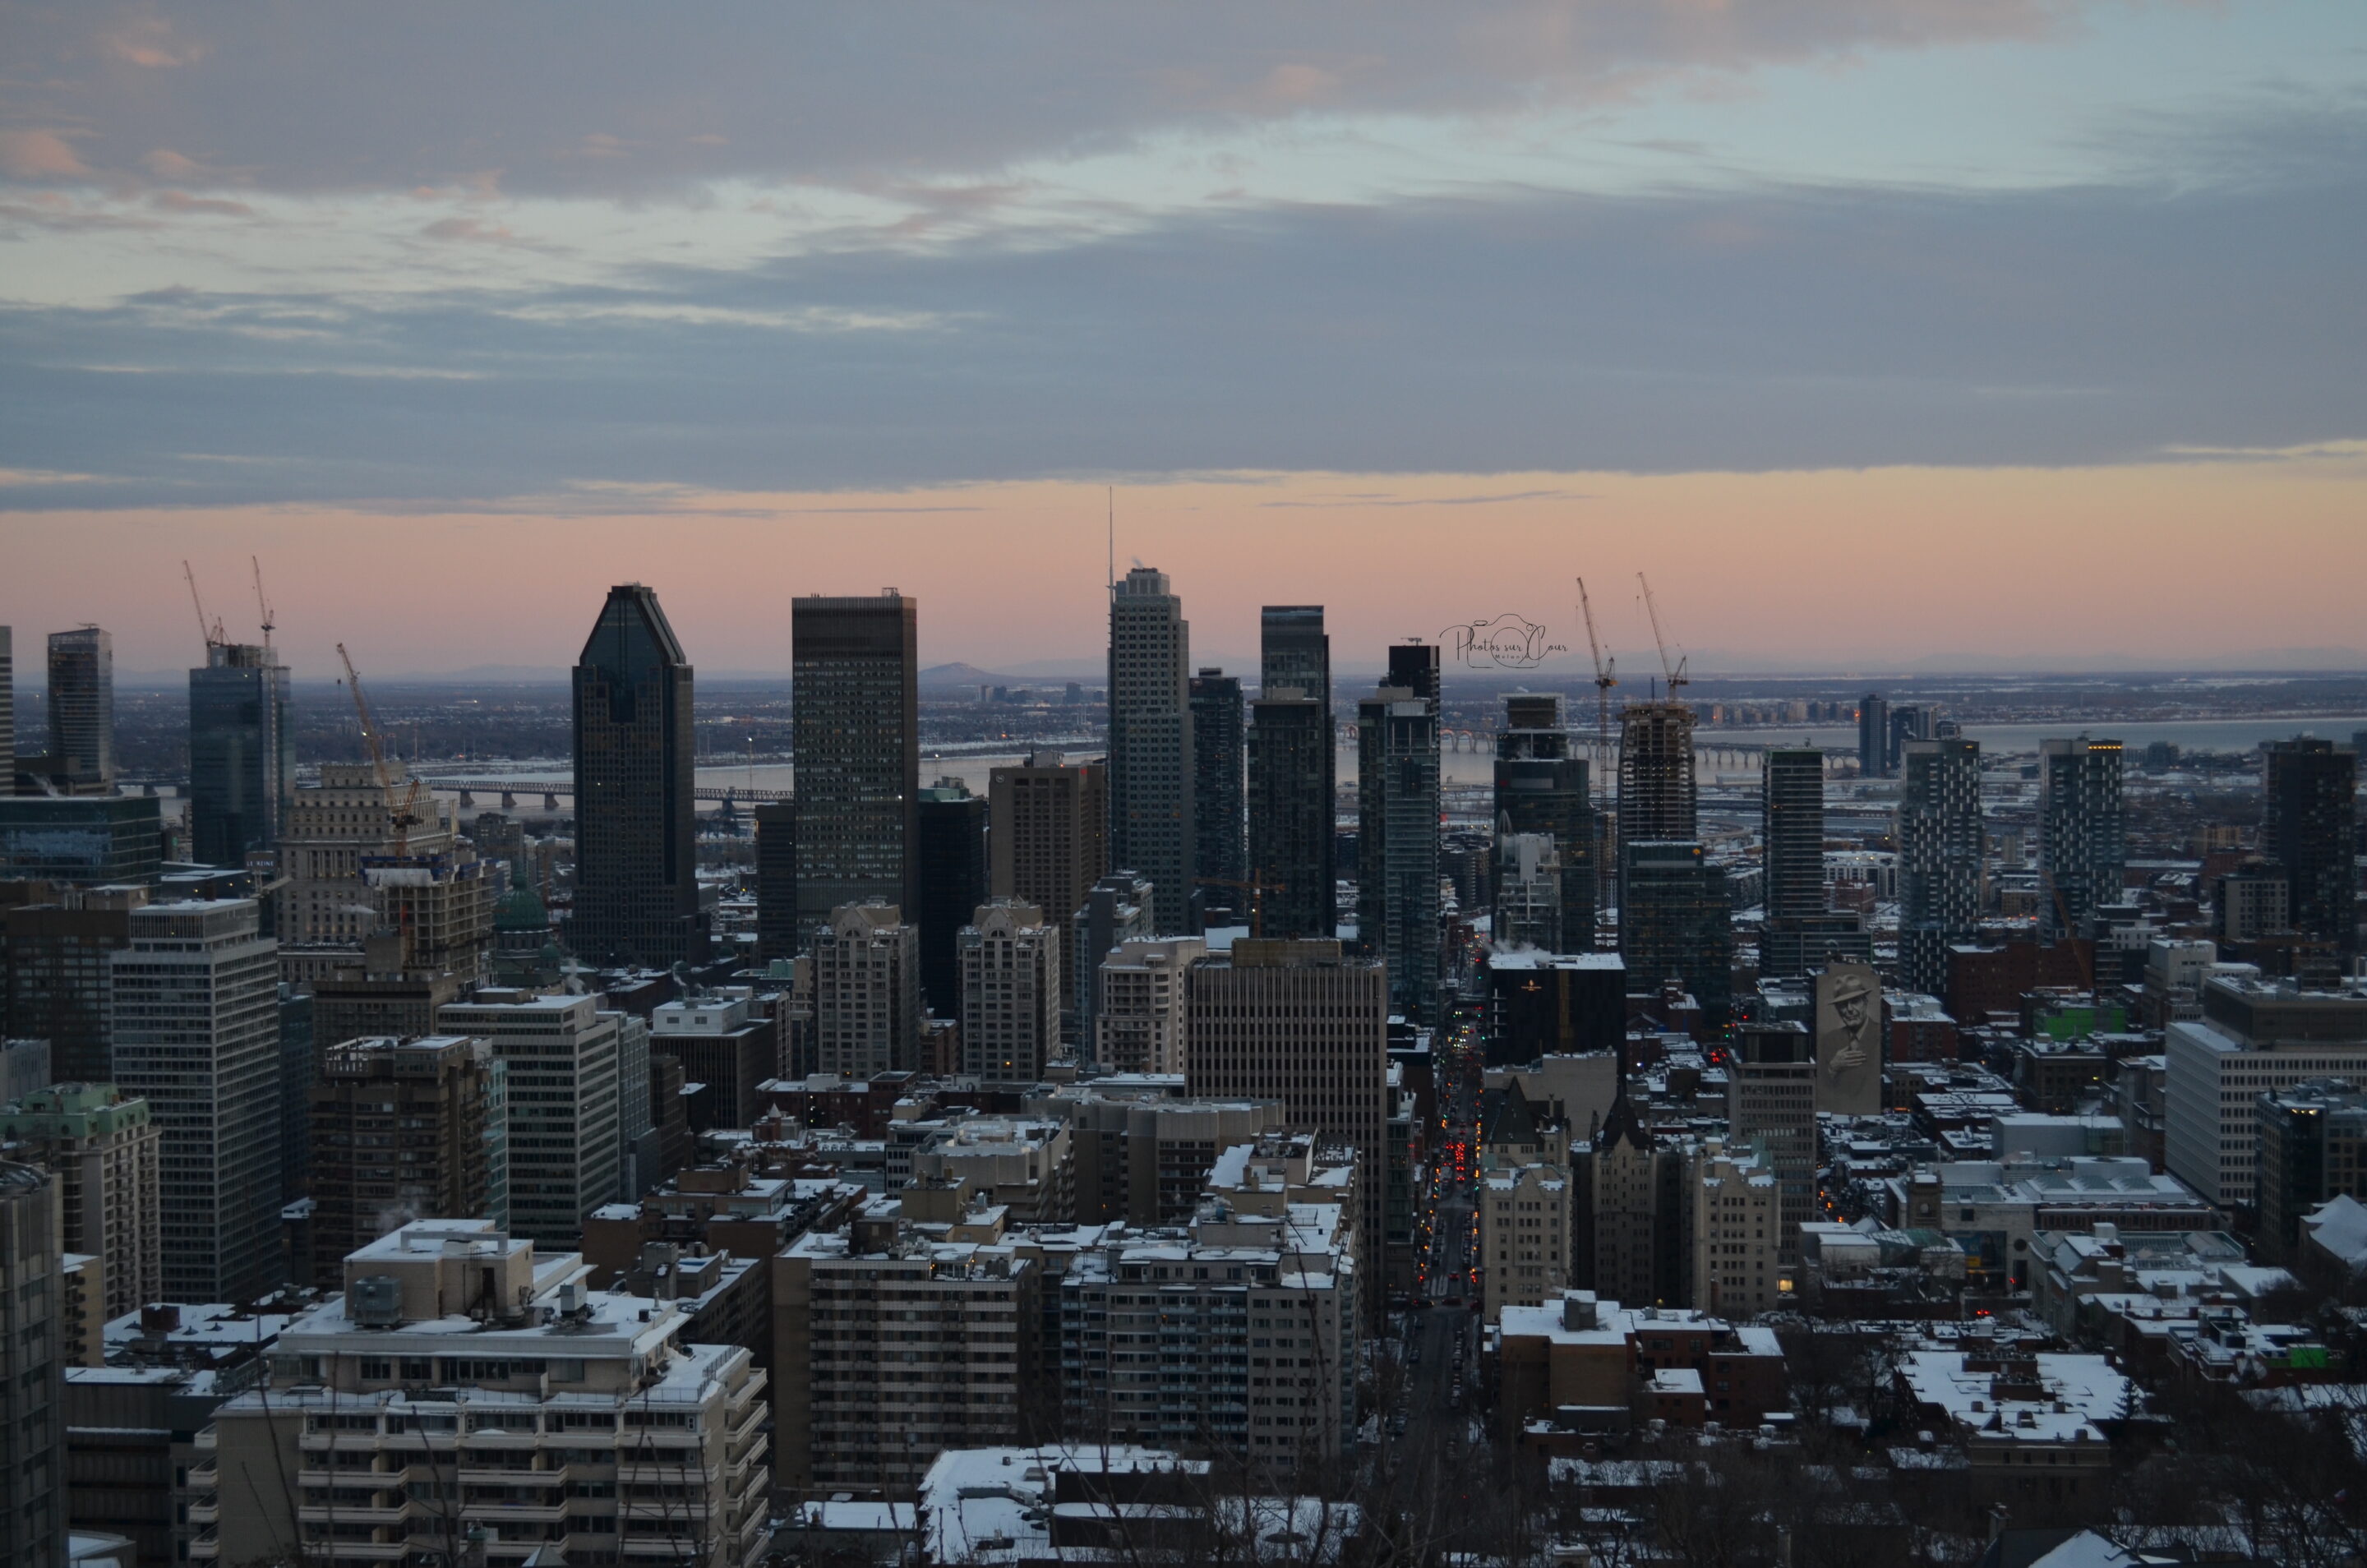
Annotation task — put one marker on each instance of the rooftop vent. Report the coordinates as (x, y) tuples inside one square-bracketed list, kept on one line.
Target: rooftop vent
[(376, 1302)]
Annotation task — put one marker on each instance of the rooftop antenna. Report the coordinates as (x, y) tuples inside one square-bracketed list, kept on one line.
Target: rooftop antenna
[(1110, 494), (261, 603)]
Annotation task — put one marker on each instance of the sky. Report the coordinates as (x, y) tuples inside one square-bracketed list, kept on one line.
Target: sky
[(1881, 333)]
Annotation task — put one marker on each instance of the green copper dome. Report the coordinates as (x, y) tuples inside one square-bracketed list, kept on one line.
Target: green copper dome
[(520, 910)]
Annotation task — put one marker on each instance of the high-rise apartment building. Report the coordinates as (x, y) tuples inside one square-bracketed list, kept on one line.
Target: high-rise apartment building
[(242, 753), (1738, 1229), (1011, 993), (1151, 761), (776, 879), (1298, 1022), (2309, 827), (33, 1373), (59, 969), (866, 992), (82, 711), (855, 662), (1541, 788), (1397, 834), (452, 1343), (196, 1034), (399, 1132), (1524, 1229), (2082, 833), (1940, 849), (351, 868), (1295, 655), (1792, 829), (635, 861), (1219, 741), (1675, 922), (1291, 817), (1117, 910), (953, 878), (104, 1149), (561, 1078), (1047, 839), (1634, 1216), (1657, 794), (1873, 737), (7, 710), (1142, 1024)]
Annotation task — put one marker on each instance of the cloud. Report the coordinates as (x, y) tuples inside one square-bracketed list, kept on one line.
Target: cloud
[(38, 155), (609, 96), (181, 201), (474, 229)]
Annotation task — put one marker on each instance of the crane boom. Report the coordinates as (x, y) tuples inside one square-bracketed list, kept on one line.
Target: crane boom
[(209, 630), (1676, 672), (403, 815), (1606, 675), (261, 603)]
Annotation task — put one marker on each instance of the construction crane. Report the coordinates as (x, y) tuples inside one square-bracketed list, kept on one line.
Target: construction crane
[(406, 812), (209, 630), (1675, 673), (1606, 675), (261, 603), (1257, 887)]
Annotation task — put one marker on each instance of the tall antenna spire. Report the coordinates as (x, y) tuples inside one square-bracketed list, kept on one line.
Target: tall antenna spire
[(1110, 492)]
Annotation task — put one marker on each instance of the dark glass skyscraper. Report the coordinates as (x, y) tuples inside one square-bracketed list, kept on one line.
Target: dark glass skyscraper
[(1939, 858), (242, 753), (951, 877), (776, 879), (2082, 832), (1397, 833), (1218, 748), (1873, 737), (858, 717), (1675, 923), (82, 710), (2309, 825), (1291, 816), (636, 887), (1792, 826), (1153, 824), (1541, 788)]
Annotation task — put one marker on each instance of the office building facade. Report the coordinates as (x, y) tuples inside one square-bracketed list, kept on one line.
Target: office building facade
[(1541, 788), (1873, 737), (242, 753), (561, 1079), (1398, 828), (90, 841), (856, 663), (1675, 922), (60, 975), (776, 879), (636, 862), (952, 879), (1221, 847), (82, 711), (2309, 828), (2082, 833), (196, 1034), (103, 1149), (1291, 831), (1047, 839), (353, 868), (399, 1132), (1295, 655), (1142, 1026), (1939, 858), (33, 1373), (1117, 910), (1153, 819)]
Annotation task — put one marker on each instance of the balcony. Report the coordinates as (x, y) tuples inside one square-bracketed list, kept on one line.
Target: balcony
[(351, 1513)]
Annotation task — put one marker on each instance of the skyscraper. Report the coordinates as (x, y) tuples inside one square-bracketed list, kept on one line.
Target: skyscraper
[(866, 992), (1398, 833), (7, 710), (1912, 722), (1152, 822), (1792, 829), (1940, 849), (1116, 911), (857, 715), (242, 753), (636, 865), (103, 1149), (1218, 740), (2082, 833), (421, 1105), (82, 710), (2309, 825), (1656, 798), (564, 1101), (1541, 788), (1291, 829), (1873, 737), (1295, 655), (1047, 838), (1675, 923), (952, 881), (776, 879), (60, 962), (197, 1033)]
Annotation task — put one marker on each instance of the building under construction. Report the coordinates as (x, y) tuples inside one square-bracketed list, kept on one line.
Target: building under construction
[(351, 866)]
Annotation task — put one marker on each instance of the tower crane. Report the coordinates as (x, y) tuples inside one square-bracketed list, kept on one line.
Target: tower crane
[(209, 630), (1606, 675), (1675, 673), (261, 603), (405, 815)]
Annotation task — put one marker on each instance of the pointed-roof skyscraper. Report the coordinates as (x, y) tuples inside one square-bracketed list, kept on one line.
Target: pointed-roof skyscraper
[(635, 866)]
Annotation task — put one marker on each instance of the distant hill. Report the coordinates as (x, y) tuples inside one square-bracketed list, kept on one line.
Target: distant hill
[(938, 677)]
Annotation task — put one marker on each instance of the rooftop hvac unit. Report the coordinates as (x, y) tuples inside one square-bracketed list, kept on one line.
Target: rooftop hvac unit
[(376, 1302)]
